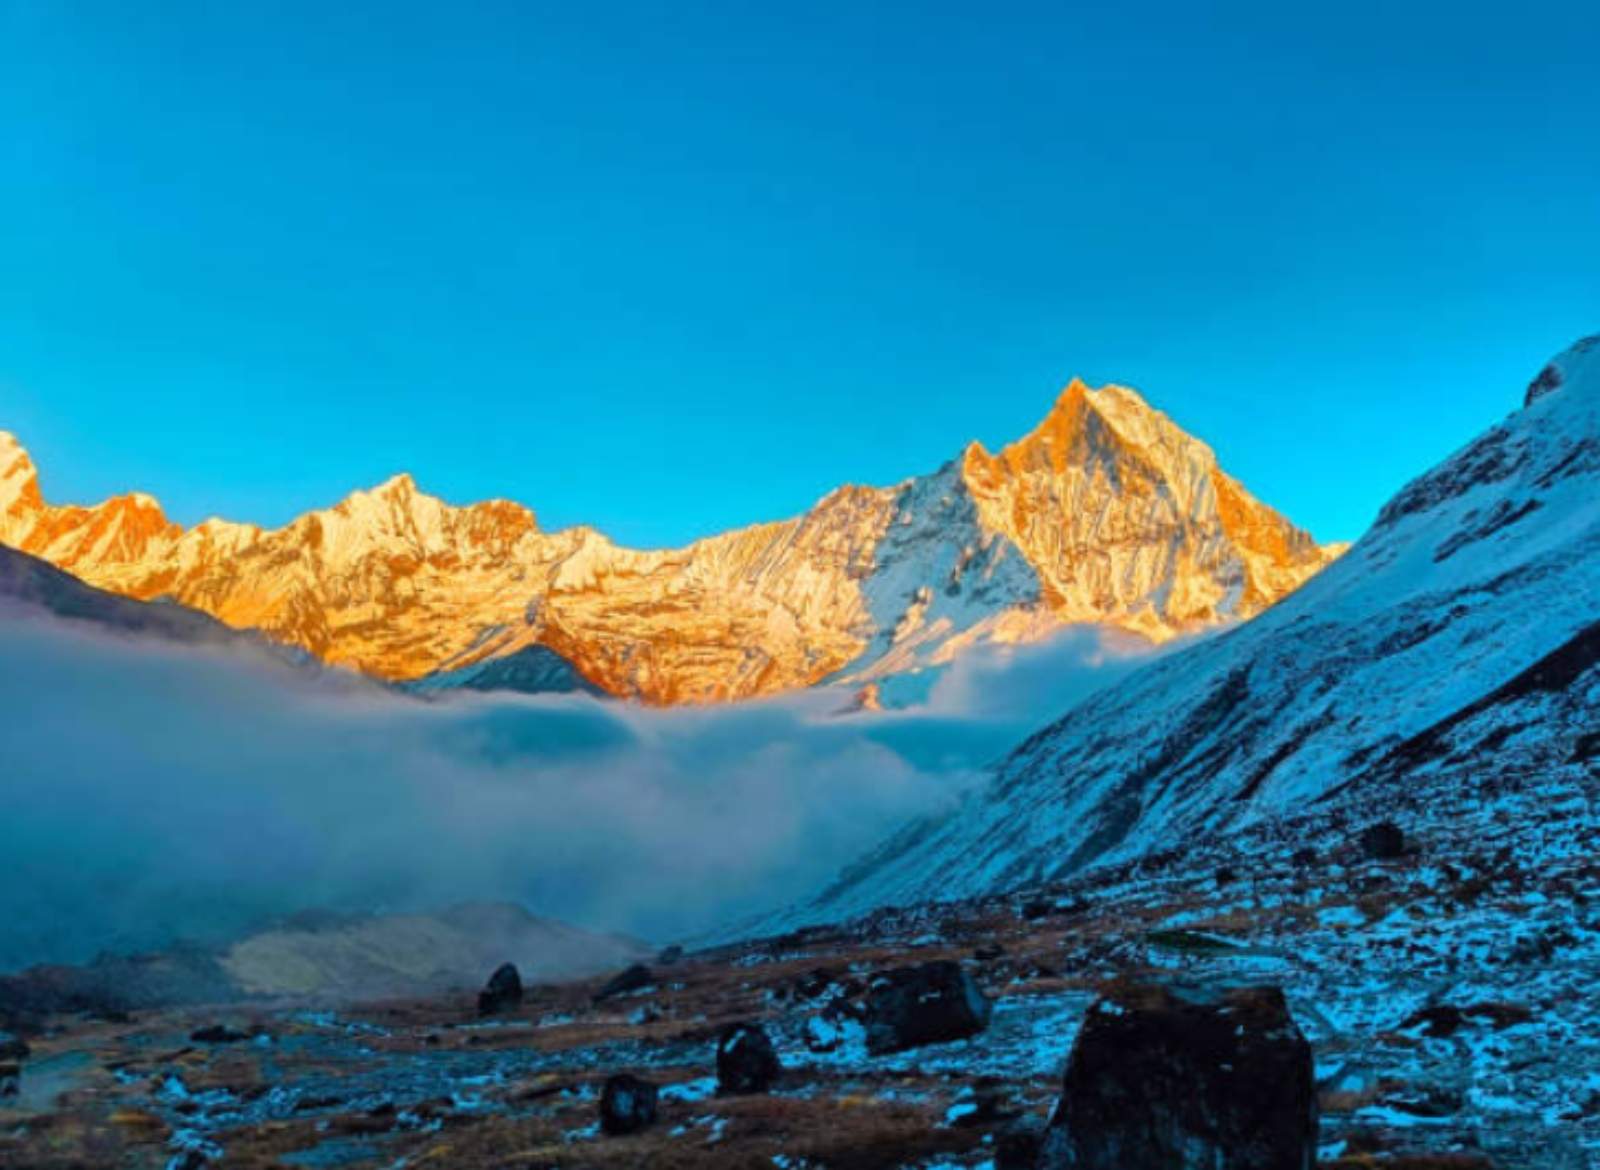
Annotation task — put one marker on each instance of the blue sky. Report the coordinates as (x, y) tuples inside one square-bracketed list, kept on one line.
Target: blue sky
[(670, 268)]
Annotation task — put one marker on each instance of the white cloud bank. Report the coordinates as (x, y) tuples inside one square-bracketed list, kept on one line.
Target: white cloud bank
[(150, 792)]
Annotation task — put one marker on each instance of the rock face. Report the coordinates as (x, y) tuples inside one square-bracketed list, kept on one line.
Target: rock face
[(1186, 1080), (1106, 513), (504, 990), (1459, 627), (927, 1004), (746, 1061), (627, 1105)]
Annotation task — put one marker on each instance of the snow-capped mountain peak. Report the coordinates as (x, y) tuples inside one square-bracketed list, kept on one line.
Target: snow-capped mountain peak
[(1106, 512), (1460, 631)]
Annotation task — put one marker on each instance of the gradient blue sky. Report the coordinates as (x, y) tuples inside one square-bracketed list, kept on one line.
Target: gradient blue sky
[(670, 268)]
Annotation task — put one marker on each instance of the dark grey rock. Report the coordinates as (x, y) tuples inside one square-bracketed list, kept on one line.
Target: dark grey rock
[(504, 990), (627, 1105), (746, 1060), (1173, 1077), (927, 1004)]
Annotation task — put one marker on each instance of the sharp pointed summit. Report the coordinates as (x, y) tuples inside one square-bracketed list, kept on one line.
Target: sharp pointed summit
[(1457, 641)]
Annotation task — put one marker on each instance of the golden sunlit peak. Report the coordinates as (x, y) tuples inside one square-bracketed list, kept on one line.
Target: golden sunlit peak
[(399, 484)]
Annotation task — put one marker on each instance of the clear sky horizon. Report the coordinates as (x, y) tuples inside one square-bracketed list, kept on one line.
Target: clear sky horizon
[(670, 269)]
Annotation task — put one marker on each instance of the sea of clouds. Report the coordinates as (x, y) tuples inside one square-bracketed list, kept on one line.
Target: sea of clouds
[(154, 792)]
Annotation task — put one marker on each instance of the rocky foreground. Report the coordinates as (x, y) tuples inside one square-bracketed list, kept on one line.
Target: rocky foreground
[(1436, 949)]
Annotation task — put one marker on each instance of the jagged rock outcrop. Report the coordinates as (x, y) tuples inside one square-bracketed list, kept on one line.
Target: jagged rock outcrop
[(1106, 513)]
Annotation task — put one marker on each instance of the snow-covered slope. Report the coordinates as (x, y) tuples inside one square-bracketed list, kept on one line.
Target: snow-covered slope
[(1462, 627), (1106, 512)]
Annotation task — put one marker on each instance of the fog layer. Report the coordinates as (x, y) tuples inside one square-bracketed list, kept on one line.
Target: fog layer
[(152, 792)]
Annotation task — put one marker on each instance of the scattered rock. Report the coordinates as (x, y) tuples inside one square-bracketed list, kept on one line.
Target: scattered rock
[(10, 1078), (504, 990), (1037, 908), (1383, 841), (627, 1105), (746, 1061), (218, 1034), (635, 978), (927, 1004), (988, 952), (1162, 1076), (1441, 1020), (1303, 858)]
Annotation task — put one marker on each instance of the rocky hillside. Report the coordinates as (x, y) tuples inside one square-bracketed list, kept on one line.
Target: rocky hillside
[(1107, 512), (1461, 629), (29, 585)]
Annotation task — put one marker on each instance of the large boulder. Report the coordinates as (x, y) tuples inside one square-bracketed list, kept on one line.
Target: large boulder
[(635, 978), (1186, 1079), (627, 1105), (927, 1004), (10, 1078), (504, 990), (746, 1061)]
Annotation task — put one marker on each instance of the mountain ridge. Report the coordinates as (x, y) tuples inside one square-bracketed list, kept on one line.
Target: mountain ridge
[(1106, 512), (1459, 632)]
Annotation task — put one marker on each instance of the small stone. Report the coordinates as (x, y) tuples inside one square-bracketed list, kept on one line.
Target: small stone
[(627, 1105), (1383, 841), (218, 1034)]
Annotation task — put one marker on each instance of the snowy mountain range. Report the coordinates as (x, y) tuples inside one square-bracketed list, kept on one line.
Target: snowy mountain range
[(1107, 513), (1462, 632)]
